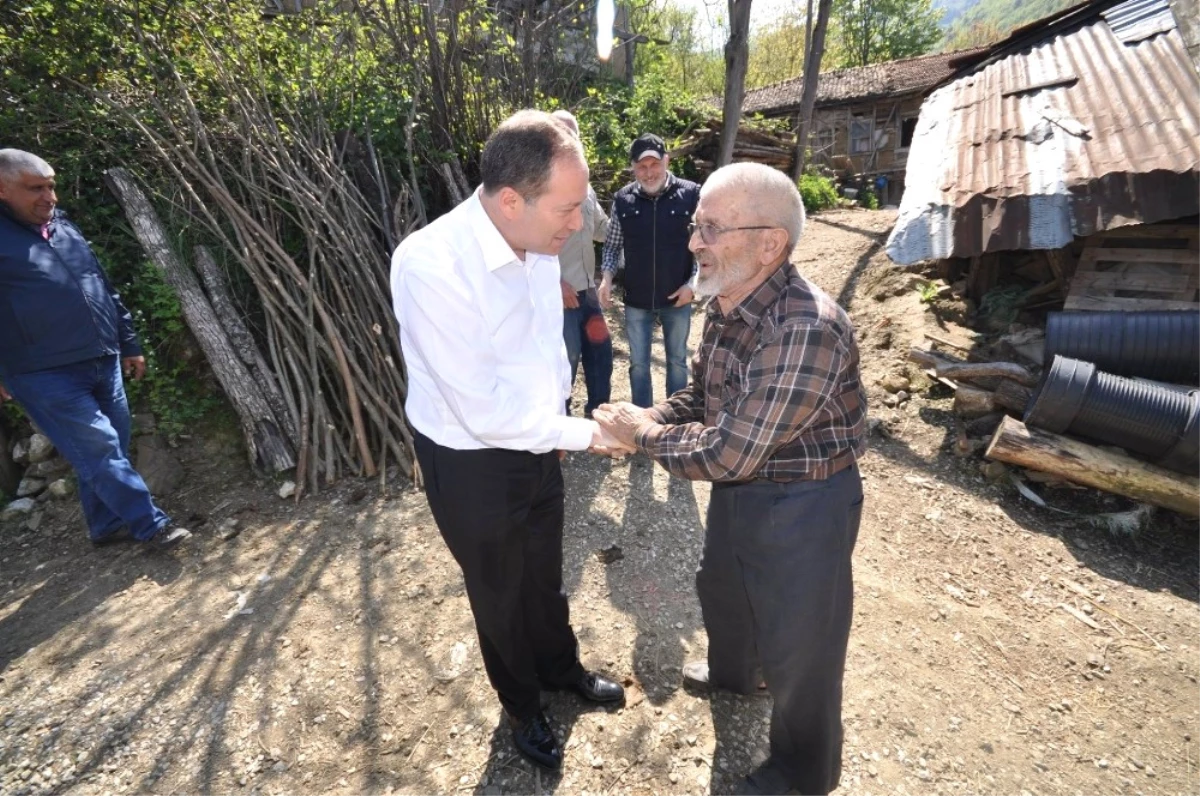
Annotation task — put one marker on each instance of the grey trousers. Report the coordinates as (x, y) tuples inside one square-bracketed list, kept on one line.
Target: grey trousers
[(776, 590)]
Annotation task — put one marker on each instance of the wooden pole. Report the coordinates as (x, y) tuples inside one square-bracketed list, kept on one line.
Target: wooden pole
[(1015, 443), (265, 440)]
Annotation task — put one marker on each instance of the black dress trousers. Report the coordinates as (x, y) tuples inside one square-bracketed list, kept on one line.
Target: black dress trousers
[(501, 514)]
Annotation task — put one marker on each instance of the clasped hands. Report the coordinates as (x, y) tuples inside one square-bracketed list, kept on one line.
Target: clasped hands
[(619, 424)]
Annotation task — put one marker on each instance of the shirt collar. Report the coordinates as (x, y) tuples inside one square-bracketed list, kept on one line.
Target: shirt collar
[(496, 251), (753, 307)]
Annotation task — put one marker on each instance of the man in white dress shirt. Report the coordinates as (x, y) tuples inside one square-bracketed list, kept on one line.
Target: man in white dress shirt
[(477, 297)]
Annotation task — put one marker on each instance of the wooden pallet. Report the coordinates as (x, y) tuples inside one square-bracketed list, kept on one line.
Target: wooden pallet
[(1154, 267)]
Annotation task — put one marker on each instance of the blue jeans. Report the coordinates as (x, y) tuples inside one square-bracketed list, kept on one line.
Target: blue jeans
[(82, 408), (639, 325), (586, 336)]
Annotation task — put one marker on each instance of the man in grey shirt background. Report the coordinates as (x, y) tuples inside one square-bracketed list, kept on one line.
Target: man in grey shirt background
[(585, 331)]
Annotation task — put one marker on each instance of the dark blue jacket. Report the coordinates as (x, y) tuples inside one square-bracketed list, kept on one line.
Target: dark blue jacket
[(56, 304), (655, 238)]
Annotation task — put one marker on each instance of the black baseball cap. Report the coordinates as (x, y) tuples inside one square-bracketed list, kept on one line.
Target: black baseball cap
[(647, 145)]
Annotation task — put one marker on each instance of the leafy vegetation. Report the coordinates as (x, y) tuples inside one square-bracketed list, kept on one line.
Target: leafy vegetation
[(817, 192), (988, 21), (866, 32), (230, 118)]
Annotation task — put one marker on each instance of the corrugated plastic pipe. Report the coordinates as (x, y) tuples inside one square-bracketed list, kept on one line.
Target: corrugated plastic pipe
[(1155, 421), (1160, 345)]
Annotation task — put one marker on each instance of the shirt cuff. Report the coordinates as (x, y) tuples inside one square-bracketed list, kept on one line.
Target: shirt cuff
[(575, 433), (647, 436)]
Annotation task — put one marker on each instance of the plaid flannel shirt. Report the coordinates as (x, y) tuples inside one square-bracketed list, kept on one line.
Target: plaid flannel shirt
[(775, 392)]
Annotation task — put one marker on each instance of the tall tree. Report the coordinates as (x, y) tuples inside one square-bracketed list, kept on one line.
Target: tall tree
[(737, 58), (873, 31), (777, 49), (808, 96)]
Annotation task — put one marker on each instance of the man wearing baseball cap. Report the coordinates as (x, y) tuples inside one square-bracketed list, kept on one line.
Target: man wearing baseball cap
[(648, 231)]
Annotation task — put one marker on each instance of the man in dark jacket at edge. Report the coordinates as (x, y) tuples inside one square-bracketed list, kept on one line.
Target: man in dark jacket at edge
[(649, 230), (65, 339)]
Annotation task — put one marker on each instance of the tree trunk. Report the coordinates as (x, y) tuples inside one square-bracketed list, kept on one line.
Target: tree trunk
[(1072, 460), (243, 343), (267, 444), (737, 58), (808, 96)]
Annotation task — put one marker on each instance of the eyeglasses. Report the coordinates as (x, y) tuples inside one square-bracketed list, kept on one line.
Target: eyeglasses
[(710, 232)]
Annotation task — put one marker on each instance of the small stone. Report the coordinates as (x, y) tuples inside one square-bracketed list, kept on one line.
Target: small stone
[(287, 489), (1102, 763), (30, 487), (61, 489), (1149, 771), (48, 469), (597, 762), (20, 452), (610, 554), (228, 529), (17, 509), (674, 777), (995, 471), (40, 448), (895, 383)]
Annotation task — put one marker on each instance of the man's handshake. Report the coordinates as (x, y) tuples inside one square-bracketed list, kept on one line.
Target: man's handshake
[(619, 424)]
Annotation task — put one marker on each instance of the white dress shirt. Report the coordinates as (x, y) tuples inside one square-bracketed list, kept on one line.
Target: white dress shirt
[(481, 333)]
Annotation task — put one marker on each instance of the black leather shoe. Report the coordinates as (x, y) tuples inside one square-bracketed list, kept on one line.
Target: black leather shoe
[(598, 688), (536, 741)]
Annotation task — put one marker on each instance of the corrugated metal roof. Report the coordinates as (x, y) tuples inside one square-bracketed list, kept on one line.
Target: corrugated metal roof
[(1070, 135), (859, 83), (1139, 19)]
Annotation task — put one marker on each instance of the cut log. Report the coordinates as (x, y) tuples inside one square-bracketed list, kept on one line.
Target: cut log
[(1013, 397), (969, 371), (268, 445), (930, 361), (243, 342), (1071, 460), (972, 402)]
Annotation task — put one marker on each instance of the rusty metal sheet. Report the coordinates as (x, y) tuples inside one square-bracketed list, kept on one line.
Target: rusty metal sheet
[(1072, 134)]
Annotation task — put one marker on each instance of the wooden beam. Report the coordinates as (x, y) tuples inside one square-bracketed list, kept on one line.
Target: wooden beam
[(1143, 255), (975, 370), (1071, 460)]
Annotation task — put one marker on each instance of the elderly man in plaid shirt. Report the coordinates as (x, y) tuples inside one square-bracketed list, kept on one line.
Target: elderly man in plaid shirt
[(774, 416)]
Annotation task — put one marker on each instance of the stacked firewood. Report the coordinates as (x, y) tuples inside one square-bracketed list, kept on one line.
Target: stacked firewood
[(758, 146)]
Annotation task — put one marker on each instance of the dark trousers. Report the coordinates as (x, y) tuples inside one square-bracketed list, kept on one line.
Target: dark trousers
[(83, 410), (776, 591), (501, 514), (585, 334)]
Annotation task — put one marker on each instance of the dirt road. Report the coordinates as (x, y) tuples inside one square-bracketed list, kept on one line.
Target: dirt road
[(329, 647)]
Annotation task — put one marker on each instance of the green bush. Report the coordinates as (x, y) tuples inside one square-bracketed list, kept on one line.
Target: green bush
[(868, 198), (818, 193)]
